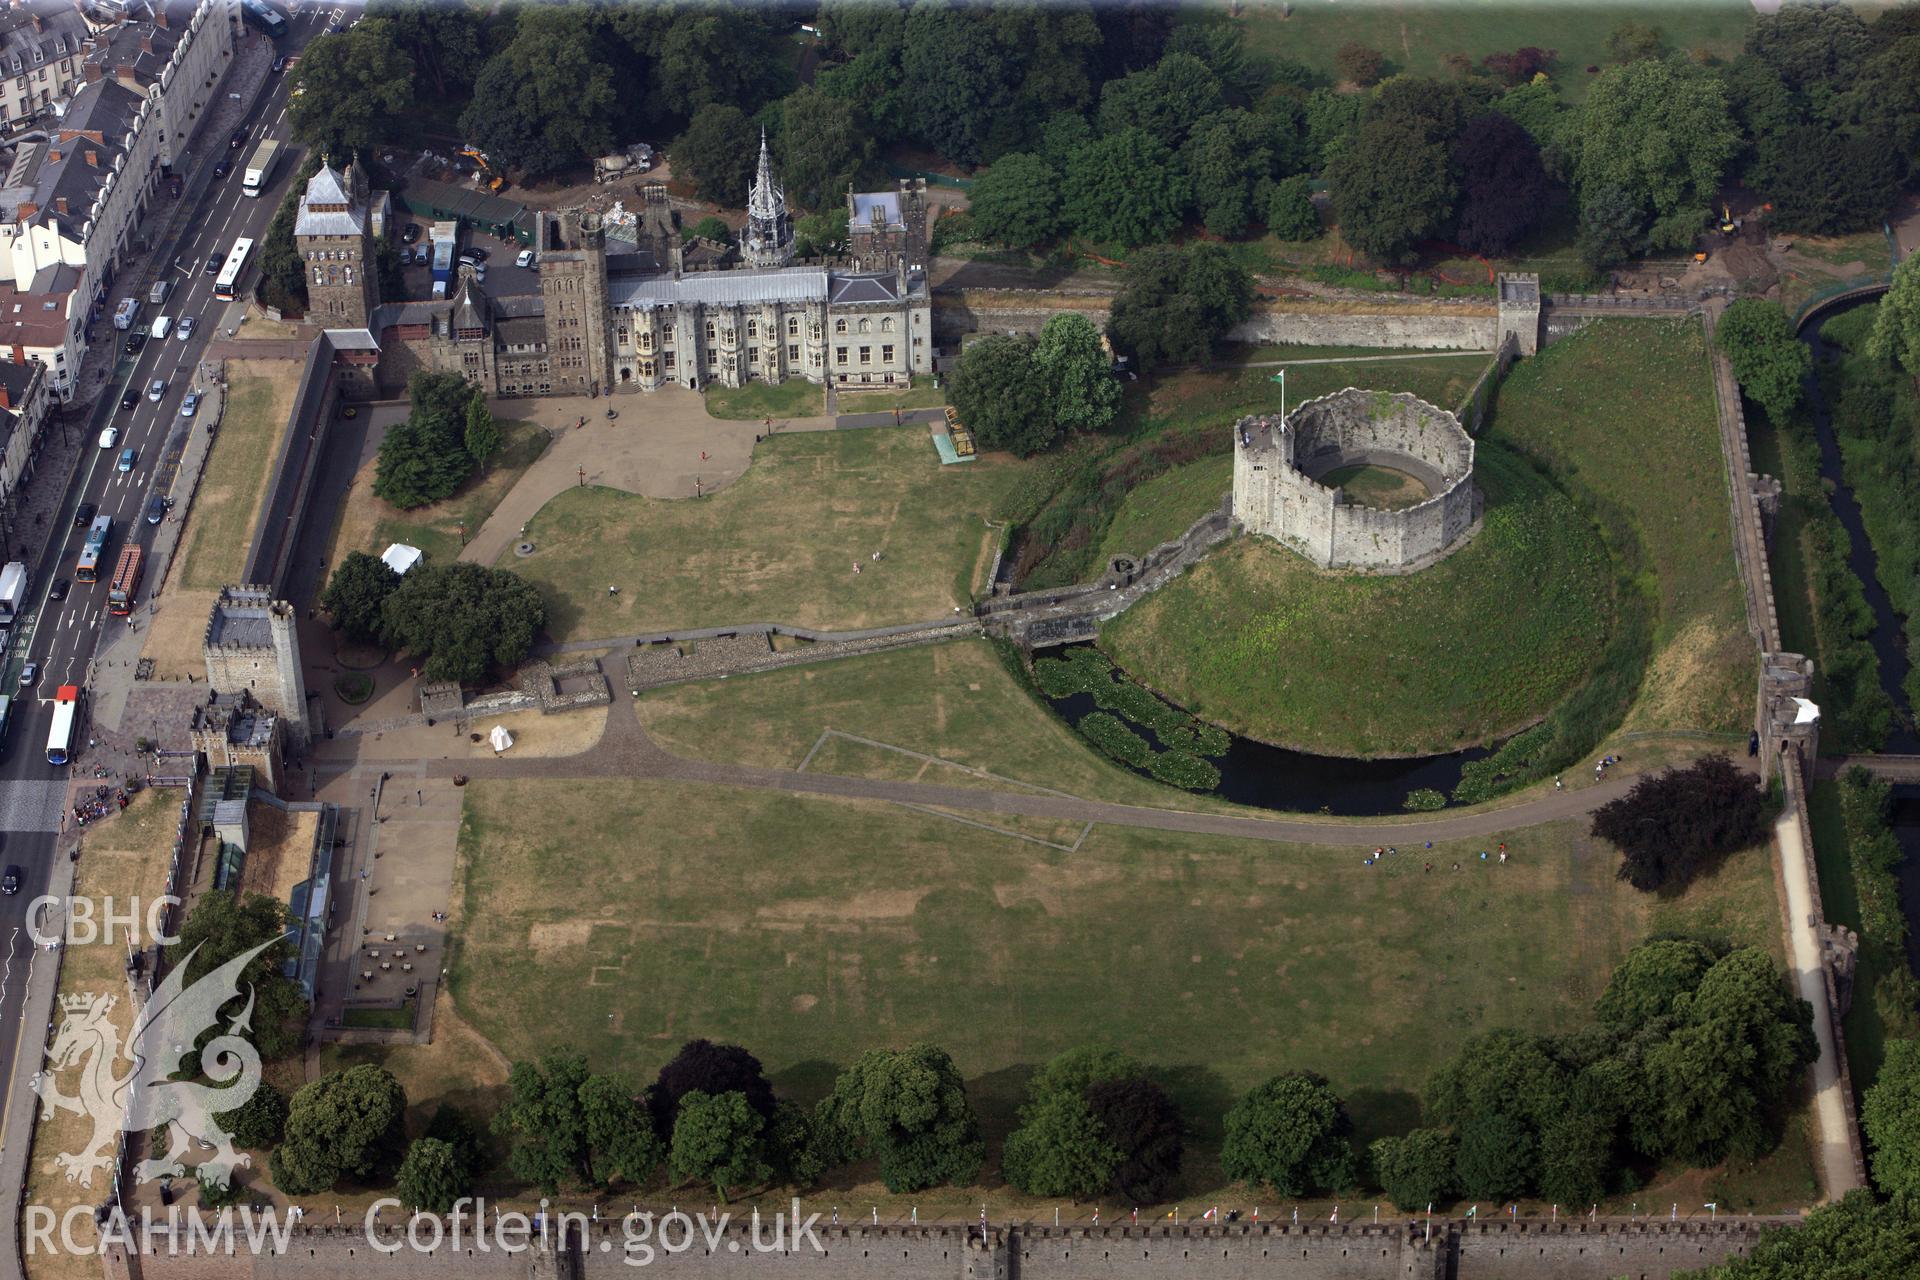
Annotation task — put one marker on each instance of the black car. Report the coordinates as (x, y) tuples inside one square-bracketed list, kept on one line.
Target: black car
[(11, 881), (238, 140), (136, 342), (410, 233), (156, 509), (475, 252), (129, 398), (83, 515), (214, 262), (223, 168), (280, 64), (60, 588)]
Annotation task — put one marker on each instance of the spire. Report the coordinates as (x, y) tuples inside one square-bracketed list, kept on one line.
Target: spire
[(766, 200), (767, 240)]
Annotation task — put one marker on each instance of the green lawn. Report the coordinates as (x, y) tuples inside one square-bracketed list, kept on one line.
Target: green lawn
[(240, 463), (1623, 414), (435, 528), (1164, 507), (812, 929), (794, 398), (922, 395), (1416, 37), (1258, 640), (781, 544)]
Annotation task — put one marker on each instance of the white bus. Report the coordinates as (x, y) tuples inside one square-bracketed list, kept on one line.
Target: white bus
[(66, 709), (229, 278)]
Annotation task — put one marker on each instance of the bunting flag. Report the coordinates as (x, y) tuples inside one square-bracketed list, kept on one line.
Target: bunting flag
[(1208, 1215), (1336, 1214), (1474, 1212)]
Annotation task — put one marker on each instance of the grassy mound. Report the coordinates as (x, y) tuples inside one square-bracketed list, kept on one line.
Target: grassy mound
[(1259, 640)]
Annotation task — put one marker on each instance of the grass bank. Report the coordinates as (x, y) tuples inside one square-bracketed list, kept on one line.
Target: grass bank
[(794, 398), (226, 506), (366, 523)]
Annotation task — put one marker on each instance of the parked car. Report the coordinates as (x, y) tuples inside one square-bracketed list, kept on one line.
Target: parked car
[(108, 438), (525, 259), (475, 252), (60, 588), (222, 168), (410, 233), (156, 509), (29, 673), (280, 64), (129, 398), (11, 881), (214, 262), (191, 405), (136, 342), (83, 515), (184, 329), (127, 458), (156, 389)]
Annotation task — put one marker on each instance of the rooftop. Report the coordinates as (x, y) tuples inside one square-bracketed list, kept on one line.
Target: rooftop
[(723, 288), (239, 619), (36, 319), (38, 32), (885, 203)]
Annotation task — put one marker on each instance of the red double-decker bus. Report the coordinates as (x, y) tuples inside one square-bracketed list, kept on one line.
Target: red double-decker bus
[(126, 580)]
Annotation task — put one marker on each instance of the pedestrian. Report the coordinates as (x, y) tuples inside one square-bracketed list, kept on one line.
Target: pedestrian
[(1503, 855), (1559, 783), (1429, 868)]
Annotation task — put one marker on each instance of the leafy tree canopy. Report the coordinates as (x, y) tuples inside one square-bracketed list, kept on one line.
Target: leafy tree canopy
[(547, 101), (1289, 1134), (1287, 207), (719, 152), (619, 1134), (720, 1138), (1856, 1236), (432, 1177), (1504, 190), (1660, 131), (349, 1124), (357, 593), (1890, 1115), (354, 87), (1017, 201), (1125, 189), (1647, 985), (258, 1122), (464, 619), (222, 926), (1678, 823), (1416, 1170), (544, 1121), (824, 141), (1078, 373), (1896, 320), (1176, 304), (1392, 188), (710, 1068), (1164, 102), (1001, 395), (1768, 361), (910, 1108)]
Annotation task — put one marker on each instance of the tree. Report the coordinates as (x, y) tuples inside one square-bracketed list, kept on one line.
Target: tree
[(1417, 1169), (1890, 1115), (1854, 1236), (1124, 189), (1142, 1123), (1896, 320), (719, 152), (215, 1195), (1439, 107), (711, 228), (420, 463), (349, 1124), (824, 142), (464, 619), (1815, 48), (797, 1149), (1504, 189), (223, 926), (1613, 225), (1499, 1156), (1289, 1134), (1679, 823), (1001, 394), (1392, 189), (1165, 102), (1288, 209), (909, 1107), (1060, 1149), (961, 82), (1521, 65), (1017, 201), (283, 271), (1661, 132), (710, 1068), (619, 1132), (547, 101), (1360, 64), (481, 436), (432, 1177), (1647, 985), (718, 1138), (820, 235), (1498, 1093), (357, 593), (545, 1121), (1634, 41), (1721, 1083), (351, 89), (706, 54), (1226, 159), (1768, 361), (1176, 304), (1077, 372), (1822, 185), (442, 40), (455, 1127), (259, 1121)]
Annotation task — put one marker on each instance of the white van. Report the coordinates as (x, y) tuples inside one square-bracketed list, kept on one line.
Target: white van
[(124, 313), (162, 327)]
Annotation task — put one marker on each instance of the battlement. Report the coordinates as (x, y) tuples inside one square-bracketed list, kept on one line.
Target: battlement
[(242, 618)]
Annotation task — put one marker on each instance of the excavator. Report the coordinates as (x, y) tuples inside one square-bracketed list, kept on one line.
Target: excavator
[(495, 181)]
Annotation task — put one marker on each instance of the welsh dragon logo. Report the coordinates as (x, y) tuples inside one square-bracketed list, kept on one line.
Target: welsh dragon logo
[(146, 1097)]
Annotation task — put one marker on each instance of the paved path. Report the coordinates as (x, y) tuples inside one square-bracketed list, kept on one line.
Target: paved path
[(626, 751), (1896, 769)]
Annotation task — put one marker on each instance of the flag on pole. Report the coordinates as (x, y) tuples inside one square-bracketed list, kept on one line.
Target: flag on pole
[(1336, 1214), (1711, 1204), (1474, 1211), (1210, 1213)]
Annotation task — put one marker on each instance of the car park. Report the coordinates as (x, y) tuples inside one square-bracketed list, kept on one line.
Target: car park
[(60, 588), (127, 458), (109, 437), (156, 509), (184, 329), (83, 515), (156, 389), (190, 405), (29, 673)]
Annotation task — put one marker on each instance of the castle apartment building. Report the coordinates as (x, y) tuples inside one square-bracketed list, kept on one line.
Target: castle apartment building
[(616, 314)]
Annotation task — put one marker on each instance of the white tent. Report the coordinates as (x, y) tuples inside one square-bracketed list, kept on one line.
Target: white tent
[(500, 738), (400, 557)]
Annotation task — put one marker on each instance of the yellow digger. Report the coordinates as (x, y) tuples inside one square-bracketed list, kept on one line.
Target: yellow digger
[(495, 181)]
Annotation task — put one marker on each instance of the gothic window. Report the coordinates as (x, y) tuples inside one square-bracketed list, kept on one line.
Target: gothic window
[(866, 326), (886, 324), (713, 358), (793, 353), (646, 368), (839, 326), (349, 271), (793, 326), (753, 328), (709, 331), (753, 355), (866, 355), (623, 337), (666, 360), (666, 333), (729, 338)]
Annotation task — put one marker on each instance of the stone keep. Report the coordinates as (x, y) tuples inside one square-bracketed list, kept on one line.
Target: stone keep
[(252, 645), (1278, 463)]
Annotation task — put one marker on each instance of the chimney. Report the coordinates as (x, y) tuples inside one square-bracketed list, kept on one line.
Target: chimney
[(6, 396), (26, 210), (93, 71), (19, 354), (60, 203), (53, 156), (124, 74), (37, 24), (160, 19)]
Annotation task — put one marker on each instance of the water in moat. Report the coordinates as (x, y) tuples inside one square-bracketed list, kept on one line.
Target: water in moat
[(1888, 637), (1264, 776)]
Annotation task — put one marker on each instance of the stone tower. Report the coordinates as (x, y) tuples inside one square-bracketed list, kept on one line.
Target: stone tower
[(887, 230), (573, 283), (334, 234), (252, 646), (767, 239), (463, 339), (1520, 311)]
